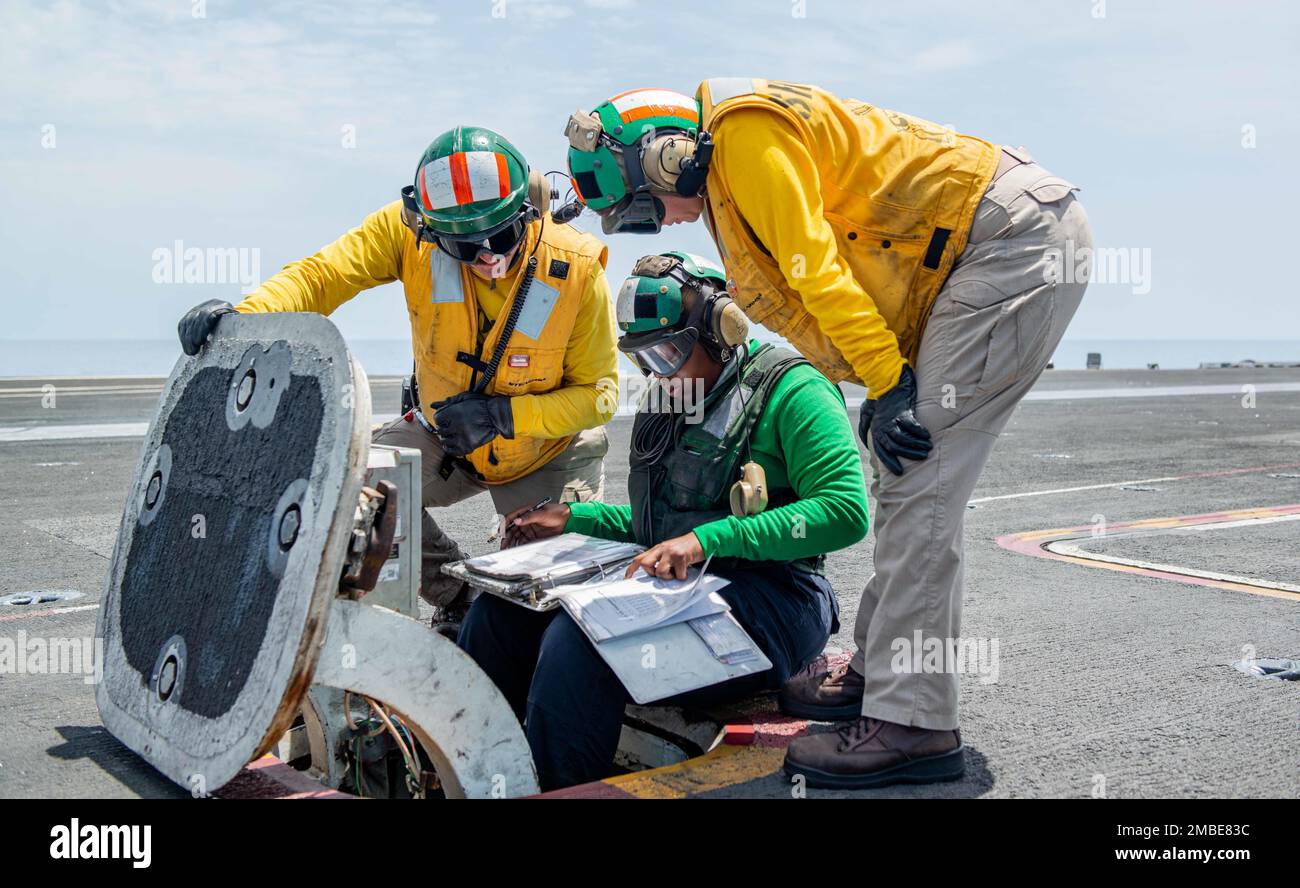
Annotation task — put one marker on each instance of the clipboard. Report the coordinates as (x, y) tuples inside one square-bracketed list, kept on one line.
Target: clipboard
[(682, 661), (533, 589)]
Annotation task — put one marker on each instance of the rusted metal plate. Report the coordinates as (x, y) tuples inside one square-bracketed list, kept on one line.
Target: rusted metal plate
[(231, 545)]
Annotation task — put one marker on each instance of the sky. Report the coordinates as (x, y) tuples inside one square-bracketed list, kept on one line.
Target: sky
[(270, 128)]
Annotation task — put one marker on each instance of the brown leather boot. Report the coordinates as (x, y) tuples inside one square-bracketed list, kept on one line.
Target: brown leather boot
[(823, 694), (869, 752)]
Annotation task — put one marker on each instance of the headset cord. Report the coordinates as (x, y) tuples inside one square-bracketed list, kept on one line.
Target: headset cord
[(509, 328), (654, 436), (516, 308)]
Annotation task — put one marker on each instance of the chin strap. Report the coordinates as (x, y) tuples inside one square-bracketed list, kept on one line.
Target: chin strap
[(411, 216)]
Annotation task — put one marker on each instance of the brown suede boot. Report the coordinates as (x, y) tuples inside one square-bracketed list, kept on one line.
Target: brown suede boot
[(868, 753), (823, 694)]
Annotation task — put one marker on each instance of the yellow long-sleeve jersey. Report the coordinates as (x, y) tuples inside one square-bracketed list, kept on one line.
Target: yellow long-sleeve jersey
[(837, 220), (560, 366)]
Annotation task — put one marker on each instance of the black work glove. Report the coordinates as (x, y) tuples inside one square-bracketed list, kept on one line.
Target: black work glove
[(199, 322), (467, 421), (895, 430)]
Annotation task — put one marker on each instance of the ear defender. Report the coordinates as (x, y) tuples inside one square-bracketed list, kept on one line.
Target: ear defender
[(732, 327), (749, 494), (678, 163), (540, 195), (724, 320), (663, 159)]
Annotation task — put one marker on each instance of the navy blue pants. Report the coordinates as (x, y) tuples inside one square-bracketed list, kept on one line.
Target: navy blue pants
[(570, 701)]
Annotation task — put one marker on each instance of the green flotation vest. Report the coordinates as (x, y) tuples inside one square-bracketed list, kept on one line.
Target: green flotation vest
[(686, 482)]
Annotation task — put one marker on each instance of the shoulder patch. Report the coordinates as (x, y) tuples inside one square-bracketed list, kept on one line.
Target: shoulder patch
[(559, 269)]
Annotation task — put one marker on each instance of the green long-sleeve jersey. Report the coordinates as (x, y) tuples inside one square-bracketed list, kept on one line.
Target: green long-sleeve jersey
[(804, 442)]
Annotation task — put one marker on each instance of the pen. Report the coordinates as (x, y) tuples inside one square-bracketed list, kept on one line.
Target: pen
[(545, 502), (501, 527)]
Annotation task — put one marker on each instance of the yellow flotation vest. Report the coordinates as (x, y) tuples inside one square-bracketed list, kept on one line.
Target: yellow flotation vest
[(445, 332), (899, 193)]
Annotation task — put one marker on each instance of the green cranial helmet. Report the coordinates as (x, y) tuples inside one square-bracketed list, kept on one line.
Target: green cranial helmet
[(651, 299), (630, 148), (471, 182), (670, 302)]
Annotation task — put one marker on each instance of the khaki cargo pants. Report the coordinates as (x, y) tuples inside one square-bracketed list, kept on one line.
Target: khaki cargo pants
[(577, 474), (992, 330)]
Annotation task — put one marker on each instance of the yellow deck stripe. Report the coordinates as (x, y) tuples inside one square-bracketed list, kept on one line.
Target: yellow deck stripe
[(722, 767)]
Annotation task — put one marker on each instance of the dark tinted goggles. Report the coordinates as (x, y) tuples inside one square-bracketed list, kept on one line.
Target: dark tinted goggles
[(500, 243)]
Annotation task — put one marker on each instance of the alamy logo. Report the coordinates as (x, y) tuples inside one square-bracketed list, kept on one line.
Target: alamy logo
[(179, 264), (37, 655), (91, 842), (926, 655)]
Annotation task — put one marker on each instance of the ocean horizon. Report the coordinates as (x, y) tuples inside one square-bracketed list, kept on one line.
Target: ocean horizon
[(382, 357)]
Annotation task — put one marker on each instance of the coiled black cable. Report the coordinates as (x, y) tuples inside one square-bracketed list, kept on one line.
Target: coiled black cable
[(654, 436), (511, 319)]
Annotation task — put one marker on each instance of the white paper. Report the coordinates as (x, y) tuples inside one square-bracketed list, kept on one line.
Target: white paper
[(623, 607)]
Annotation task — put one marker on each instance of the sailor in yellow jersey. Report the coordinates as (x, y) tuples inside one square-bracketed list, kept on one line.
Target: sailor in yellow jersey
[(512, 328), (893, 253)]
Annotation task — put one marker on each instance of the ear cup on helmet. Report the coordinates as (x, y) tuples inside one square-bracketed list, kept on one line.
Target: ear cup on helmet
[(540, 194), (727, 323), (663, 158)]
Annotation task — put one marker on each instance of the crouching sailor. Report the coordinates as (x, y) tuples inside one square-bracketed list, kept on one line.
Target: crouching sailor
[(760, 472), (511, 387)]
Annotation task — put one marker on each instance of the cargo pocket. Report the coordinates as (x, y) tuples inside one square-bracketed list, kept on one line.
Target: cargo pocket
[(1017, 340), (577, 492), (1002, 359), (584, 462), (1050, 189)]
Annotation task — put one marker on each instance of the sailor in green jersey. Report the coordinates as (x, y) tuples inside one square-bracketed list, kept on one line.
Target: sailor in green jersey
[(759, 473)]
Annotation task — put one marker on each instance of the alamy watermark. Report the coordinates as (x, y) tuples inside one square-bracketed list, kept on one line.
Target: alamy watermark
[(179, 264), (649, 394), (934, 655), (1100, 265), (89, 841), (35, 655)]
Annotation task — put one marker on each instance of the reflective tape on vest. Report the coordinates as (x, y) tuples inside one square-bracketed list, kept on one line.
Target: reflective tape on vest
[(723, 88), (447, 283)]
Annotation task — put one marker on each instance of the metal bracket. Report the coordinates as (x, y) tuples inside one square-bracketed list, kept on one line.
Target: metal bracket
[(457, 714), (372, 538)]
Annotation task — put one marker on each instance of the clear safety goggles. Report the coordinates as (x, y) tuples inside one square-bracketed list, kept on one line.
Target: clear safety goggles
[(664, 357)]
